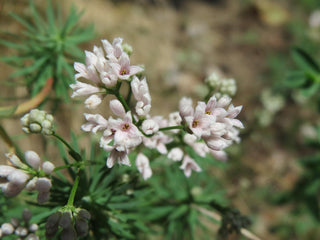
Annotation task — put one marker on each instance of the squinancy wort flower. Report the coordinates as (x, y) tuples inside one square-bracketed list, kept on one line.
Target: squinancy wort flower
[(19, 176), (104, 68), (208, 129)]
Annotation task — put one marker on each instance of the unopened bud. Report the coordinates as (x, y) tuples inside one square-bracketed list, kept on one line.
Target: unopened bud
[(12, 190), (35, 128), (15, 160), (18, 177), (48, 167), (33, 227), (21, 231), (7, 229), (52, 224), (32, 236), (43, 184), (68, 234), (26, 215), (43, 197), (81, 227), (84, 214), (31, 185), (65, 220), (33, 159)]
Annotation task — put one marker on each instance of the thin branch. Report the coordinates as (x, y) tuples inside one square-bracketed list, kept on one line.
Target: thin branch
[(245, 232)]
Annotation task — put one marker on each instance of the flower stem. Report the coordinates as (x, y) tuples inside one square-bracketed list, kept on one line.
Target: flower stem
[(76, 156), (73, 191), (171, 128)]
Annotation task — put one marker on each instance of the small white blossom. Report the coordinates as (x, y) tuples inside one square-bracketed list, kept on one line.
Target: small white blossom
[(142, 163), (176, 154), (93, 101), (33, 159), (150, 126), (95, 123), (189, 165)]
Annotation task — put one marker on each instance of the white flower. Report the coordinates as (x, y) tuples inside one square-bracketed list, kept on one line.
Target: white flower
[(158, 141), (185, 107), (120, 157), (199, 122), (93, 101), (83, 89), (117, 108), (123, 69), (48, 167), (175, 154), (189, 165), (95, 123), (141, 93), (126, 134), (142, 163), (150, 126), (33, 159)]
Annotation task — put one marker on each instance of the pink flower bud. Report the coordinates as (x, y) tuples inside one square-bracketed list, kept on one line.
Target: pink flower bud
[(33, 159), (18, 177), (5, 170), (117, 108), (43, 197), (31, 185), (43, 184), (48, 167)]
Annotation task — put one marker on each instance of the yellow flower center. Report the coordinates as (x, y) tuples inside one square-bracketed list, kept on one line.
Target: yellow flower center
[(195, 123), (123, 72), (208, 112), (125, 127)]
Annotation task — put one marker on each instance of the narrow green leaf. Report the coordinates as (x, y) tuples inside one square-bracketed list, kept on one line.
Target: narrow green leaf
[(50, 16), (304, 60), (178, 212), (27, 70), (295, 79), (23, 22)]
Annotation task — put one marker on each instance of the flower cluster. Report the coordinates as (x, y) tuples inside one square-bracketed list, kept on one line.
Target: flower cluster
[(104, 68), (32, 177), (24, 230), (37, 121), (209, 128), (223, 86), (74, 224)]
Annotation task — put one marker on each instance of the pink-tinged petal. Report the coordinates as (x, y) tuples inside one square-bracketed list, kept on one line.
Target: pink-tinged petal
[(12, 190), (18, 177), (175, 154), (234, 111), (83, 89), (142, 163), (117, 108), (219, 155), (91, 58), (112, 159), (92, 102), (162, 148), (5, 170), (125, 62), (188, 165), (108, 48), (237, 123), (211, 104), (185, 107), (224, 101), (216, 143), (133, 70), (81, 69)]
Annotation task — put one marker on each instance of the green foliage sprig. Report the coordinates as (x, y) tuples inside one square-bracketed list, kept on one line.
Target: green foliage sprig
[(47, 47)]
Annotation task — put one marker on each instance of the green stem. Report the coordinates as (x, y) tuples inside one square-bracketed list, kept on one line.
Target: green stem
[(73, 191), (76, 156), (171, 128)]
